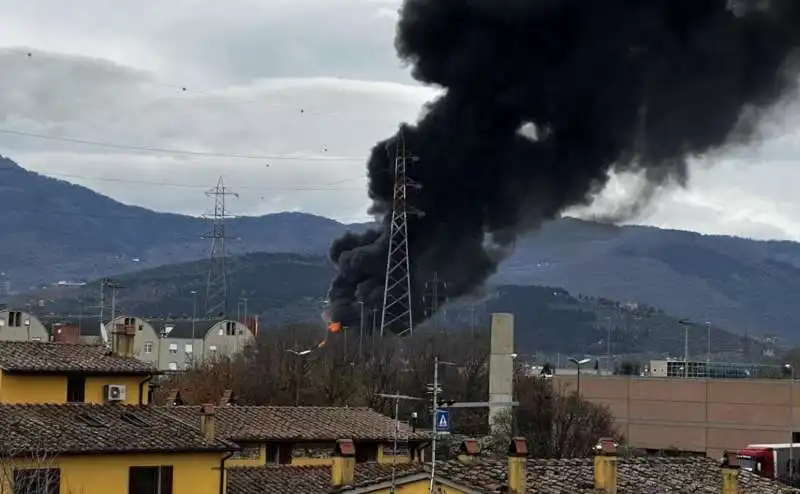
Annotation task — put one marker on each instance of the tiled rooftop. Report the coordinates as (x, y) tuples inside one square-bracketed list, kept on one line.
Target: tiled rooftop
[(89, 428), (307, 479), (644, 475), (275, 423), (40, 356)]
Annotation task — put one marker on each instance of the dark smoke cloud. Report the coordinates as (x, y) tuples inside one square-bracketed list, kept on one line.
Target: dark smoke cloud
[(622, 85)]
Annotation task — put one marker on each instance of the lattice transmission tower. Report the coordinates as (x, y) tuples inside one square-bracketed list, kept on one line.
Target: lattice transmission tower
[(397, 300), (217, 282)]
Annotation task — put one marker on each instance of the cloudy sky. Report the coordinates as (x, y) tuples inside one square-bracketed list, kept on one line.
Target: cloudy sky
[(284, 98)]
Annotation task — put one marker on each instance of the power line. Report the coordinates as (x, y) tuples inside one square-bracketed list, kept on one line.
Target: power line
[(169, 216), (319, 187), (149, 149)]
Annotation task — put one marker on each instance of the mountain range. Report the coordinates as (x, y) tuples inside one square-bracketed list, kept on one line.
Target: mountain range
[(54, 230), (285, 288)]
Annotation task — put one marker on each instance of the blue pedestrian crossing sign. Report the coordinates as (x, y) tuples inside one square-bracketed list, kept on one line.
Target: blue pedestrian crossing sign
[(442, 421)]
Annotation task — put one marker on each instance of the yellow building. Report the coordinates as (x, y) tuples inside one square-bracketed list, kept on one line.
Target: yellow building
[(107, 449), (45, 372), (306, 435), (472, 473)]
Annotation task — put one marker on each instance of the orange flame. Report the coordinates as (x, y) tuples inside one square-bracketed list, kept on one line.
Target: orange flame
[(335, 327)]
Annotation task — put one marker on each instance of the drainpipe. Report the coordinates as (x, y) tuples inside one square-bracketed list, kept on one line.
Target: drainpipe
[(222, 472), (141, 389)]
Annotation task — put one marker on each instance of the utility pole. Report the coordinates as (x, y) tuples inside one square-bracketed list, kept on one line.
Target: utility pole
[(115, 287), (608, 345), (194, 325), (433, 296), (217, 282), (398, 315), (361, 331), (396, 397)]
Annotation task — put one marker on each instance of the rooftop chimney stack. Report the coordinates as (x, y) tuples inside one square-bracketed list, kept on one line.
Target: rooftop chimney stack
[(343, 470), (123, 340), (730, 473), (605, 465), (468, 451), (501, 365), (517, 465), (208, 421)]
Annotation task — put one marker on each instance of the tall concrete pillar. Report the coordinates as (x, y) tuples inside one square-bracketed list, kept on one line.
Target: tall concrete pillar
[(501, 363)]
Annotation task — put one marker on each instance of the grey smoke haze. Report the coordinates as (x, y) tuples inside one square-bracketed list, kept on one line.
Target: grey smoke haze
[(617, 85)]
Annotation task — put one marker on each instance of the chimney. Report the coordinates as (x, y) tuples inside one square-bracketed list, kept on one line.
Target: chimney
[(517, 472), (468, 451), (227, 398), (605, 466), (123, 340), (208, 421), (344, 463), (501, 365), (730, 473)]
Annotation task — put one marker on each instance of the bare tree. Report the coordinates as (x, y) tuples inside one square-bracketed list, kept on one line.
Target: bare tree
[(555, 424), (26, 464)]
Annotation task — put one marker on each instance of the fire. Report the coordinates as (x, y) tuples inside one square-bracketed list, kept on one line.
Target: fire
[(334, 327)]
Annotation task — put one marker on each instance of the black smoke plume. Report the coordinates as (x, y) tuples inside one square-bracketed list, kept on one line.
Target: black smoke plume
[(543, 99)]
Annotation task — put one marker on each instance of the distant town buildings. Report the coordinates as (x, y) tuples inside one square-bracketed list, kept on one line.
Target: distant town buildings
[(167, 344)]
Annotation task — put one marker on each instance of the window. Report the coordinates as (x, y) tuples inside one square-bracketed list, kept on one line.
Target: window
[(148, 347), (212, 348), (129, 321), (173, 366), (188, 348), (221, 331), (173, 348), (150, 480), (15, 319), (37, 481), (248, 452), (76, 388), (230, 328), (36, 338)]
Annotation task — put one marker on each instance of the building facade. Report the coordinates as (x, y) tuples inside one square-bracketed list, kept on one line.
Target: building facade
[(691, 414), (174, 345), (16, 325)]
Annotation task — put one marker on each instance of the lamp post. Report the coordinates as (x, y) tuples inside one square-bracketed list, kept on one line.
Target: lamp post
[(300, 354), (685, 323), (578, 364), (708, 342), (790, 367), (194, 323)]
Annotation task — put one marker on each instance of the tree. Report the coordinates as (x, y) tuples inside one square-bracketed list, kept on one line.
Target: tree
[(555, 424), (31, 469)]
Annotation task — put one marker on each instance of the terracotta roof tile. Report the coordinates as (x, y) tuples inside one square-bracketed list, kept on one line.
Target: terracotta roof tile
[(307, 479), (91, 428), (40, 356), (277, 423), (646, 475)]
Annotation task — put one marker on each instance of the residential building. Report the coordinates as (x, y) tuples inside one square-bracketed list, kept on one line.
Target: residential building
[(472, 473), (173, 345), (691, 414), (304, 435), (49, 372), (16, 325), (107, 449)]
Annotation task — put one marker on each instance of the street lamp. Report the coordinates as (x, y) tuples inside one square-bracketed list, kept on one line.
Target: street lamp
[(194, 323), (790, 368), (685, 323), (301, 354), (578, 364), (708, 342)]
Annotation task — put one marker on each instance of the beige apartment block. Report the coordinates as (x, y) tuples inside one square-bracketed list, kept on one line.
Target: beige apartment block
[(701, 415)]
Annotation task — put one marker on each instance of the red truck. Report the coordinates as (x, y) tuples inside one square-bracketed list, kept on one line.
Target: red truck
[(771, 460)]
